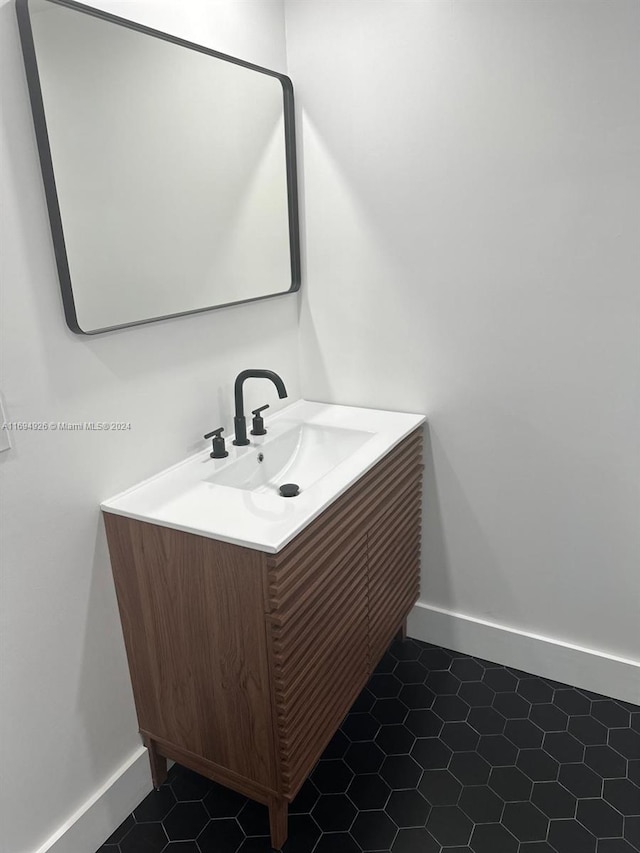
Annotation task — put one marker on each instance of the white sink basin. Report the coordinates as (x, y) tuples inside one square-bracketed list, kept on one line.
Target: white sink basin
[(302, 455), (322, 448)]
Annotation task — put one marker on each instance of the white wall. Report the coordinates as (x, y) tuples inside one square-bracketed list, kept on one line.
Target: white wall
[(67, 715), (471, 200)]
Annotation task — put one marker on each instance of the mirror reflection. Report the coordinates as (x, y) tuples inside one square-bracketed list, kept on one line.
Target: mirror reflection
[(170, 170)]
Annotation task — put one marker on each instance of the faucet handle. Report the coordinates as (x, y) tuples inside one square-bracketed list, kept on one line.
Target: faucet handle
[(258, 422), (219, 450)]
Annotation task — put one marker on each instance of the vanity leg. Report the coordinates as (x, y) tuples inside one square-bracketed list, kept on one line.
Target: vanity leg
[(158, 764), (278, 822), (402, 632)]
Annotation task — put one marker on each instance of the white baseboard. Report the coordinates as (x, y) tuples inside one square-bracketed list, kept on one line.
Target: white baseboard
[(90, 826), (590, 669)]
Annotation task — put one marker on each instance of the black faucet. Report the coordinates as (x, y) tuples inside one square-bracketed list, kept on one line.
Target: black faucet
[(239, 422)]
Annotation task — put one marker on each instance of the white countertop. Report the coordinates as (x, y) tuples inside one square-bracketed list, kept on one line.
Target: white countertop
[(183, 496)]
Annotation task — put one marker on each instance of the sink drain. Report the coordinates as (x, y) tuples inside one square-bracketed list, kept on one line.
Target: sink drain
[(289, 490)]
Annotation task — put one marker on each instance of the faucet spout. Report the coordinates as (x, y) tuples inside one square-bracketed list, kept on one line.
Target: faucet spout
[(240, 424)]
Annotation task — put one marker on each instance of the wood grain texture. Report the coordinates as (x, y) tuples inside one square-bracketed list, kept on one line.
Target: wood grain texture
[(192, 613)]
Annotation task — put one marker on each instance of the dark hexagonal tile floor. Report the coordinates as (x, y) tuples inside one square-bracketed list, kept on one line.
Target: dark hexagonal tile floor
[(441, 753)]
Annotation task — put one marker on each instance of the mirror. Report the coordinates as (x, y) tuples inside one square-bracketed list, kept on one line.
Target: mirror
[(169, 168)]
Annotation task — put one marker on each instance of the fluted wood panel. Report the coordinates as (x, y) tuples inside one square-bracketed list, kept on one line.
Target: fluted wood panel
[(335, 596)]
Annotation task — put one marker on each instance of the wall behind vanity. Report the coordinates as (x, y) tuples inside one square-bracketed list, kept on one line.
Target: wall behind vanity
[(67, 715), (471, 202)]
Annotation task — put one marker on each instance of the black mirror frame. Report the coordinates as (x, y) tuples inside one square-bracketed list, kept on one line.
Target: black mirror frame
[(48, 176)]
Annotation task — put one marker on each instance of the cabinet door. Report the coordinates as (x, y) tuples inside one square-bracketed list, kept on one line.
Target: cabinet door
[(319, 648), (393, 546)]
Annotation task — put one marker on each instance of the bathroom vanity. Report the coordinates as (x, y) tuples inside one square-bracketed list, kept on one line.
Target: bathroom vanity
[(246, 654)]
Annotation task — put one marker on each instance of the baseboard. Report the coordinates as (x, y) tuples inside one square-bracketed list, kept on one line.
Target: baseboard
[(590, 669), (89, 827)]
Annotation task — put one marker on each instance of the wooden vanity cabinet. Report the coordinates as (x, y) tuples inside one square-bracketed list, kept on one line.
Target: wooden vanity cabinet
[(244, 663)]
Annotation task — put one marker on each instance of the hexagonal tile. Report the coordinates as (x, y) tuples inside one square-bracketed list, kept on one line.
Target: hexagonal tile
[(364, 757), (435, 659), (534, 690), (405, 649), (626, 742), (633, 771), (364, 702), (357, 727), (185, 821), (459, 737), (571, 701), (587, 730), (369, 792), (260, 844), (188, 786), (416, 696), (538, 765), (443, 683), (467, 669), (469, 768), (549, 718), (481, 804), (223, 802), (563, 747), (623, 794), (400, 771), (497, 750), (553, 799), (525, 821), (615, 845), (410, 672), (220, 836), (387, 663), (605, 761), (476, 694), (423, 723), (337, 746), (373, 830), (254, 818), (157, 805), (414, 840), (149, 837), (524, 734), (332, 777), (304, 833), (486, 721), (599, 818), (440, 787), (631, 831), (305, 799), (512, 706), (500, 680), (184, 847), (451, 708), (510, 783), (569, 836), (431, 753), (384, 686), (610, 714), (341, 841), (580, 780), (491, 838), (334, 813), (449, 825), (408, 808), (395, 740), (389, 711)]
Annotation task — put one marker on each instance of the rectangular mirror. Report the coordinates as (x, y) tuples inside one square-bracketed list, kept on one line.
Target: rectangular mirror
[(169, 168)]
